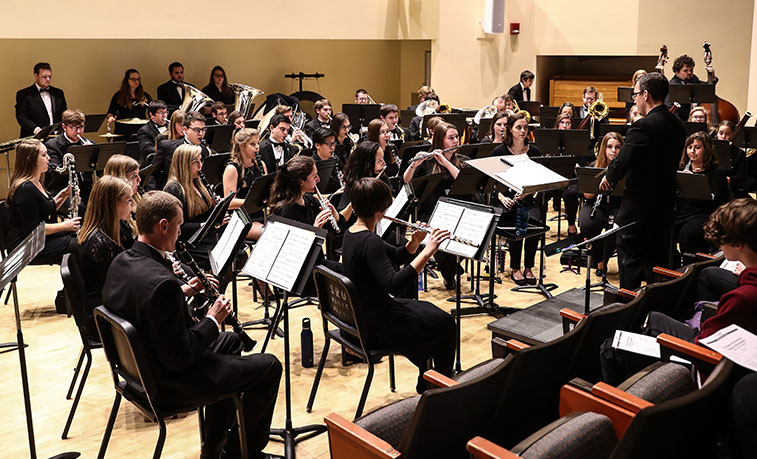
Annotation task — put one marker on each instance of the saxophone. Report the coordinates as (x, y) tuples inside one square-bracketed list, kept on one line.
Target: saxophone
[(69, 165)]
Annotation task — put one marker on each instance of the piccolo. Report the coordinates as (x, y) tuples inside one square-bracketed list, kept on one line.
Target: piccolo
[(428, 154), (325, 206), (428, 229)]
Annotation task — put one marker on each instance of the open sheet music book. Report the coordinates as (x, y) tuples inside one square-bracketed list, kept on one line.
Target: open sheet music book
[(525, 176), (735, 344), (279, 254), (398, 205), (463, 222), (230, 242)]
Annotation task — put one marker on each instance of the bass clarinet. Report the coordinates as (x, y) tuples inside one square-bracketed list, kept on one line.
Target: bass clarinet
[(69, 165), (183, 254)]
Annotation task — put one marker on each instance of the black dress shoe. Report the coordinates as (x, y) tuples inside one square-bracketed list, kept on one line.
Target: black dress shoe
[(519, 282), (451, 285), (531, 280)]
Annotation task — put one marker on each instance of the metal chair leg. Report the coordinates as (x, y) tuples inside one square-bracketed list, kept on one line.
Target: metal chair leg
[(109, 426), (78, 395), (161, 439), (242, 428), (318, 373), (392, 384), (364, 395), (76, 374)]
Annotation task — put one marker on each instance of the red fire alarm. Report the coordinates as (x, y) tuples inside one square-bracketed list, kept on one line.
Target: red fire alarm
[(514, 28)]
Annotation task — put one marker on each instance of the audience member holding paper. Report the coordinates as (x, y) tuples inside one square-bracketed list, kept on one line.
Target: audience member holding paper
[(516, 143), (416, 329), (292, 198), (445, 160), (731, 227)]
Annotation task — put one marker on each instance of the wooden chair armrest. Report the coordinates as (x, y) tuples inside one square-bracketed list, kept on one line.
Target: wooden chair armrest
[(573, 399), (438, 379), (349, 441), (705, 256), (627, 293), (515, 345), (481, 448), (619, 397), (571, 315), (688, 350), (666, 272)]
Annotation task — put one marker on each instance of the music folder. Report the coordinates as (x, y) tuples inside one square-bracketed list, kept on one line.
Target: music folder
[(215, 218), (285, 253), (589, 179), (398, 206), (473, 222)]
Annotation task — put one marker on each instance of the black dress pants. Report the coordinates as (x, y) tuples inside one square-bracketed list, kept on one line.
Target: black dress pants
[(641, 247)]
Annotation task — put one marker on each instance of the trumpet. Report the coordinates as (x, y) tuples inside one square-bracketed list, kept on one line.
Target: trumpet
[(183, 254), (325, 206), (427, 229)]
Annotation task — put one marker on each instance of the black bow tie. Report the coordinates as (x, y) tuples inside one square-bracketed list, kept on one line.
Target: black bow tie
[(276, 144), (41, 90)]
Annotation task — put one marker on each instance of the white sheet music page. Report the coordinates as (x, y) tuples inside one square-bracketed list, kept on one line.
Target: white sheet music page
[(288, 264), (446, 216), (393, 210), (266, 250), (225, 246), (735, 344), (640, 344), (464, 223), (525, 172)]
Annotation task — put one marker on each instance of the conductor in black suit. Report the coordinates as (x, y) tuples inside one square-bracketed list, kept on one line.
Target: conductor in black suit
[(522, 90), (194, 134), (40, 104), (192, 362), (275, 150), (172, 91), (157, 111), (648, 161)]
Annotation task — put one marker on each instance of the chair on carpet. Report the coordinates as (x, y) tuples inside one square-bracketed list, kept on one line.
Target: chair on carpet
[(133, 380)]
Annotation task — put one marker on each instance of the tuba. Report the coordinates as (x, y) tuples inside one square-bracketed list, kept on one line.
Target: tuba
[(244, 95), (427, 107), (485, 113), (194, 99)]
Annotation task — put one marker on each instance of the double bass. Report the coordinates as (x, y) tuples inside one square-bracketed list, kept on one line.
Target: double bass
[(721, 109)]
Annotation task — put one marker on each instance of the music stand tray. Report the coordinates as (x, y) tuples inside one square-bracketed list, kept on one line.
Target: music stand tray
[(85, 157), (257, 196), (692, 93), (106, 150), (214, 165), (325, 167), (92, 123)]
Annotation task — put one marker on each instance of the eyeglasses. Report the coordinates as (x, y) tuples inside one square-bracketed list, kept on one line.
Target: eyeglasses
[(329, 144), (76, 128), (198, 130), (634, 94), (347, 127)]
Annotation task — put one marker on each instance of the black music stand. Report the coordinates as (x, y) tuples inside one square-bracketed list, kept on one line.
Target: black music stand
[(562, 142), (692, 93), (424, 186), (467, 212), (92, 123), (484, 126), (688, 186), (723, 153), (257, 201), (275, 245), (746, 138), (145, 173), (10, 267), (325, 167), (220, 137), (604, 129), (105, 151), (407, 152), (85, 157), (214, 165), (477, 150), (533, 107), (230, 243), (624, 94), (132, 150), (253, 124), (360, 114), (692, 127), (214, 220)]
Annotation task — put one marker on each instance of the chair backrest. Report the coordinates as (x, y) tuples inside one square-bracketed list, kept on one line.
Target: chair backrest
[(531, 394), (4, 225), (446, 418), (663, 297), (128, 363), (689, 296), (339, 303), (76, 295), (687, 426)]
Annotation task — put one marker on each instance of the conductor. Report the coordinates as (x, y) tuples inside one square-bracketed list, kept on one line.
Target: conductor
[(648, 161), (192, 362)]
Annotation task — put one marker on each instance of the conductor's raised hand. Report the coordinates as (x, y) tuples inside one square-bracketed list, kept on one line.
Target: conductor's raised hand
[(221, 309)]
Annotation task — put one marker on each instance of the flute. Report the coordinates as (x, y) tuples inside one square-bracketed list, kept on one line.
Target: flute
[(183, 254), (325, 206), (428, 154), (427, 229)]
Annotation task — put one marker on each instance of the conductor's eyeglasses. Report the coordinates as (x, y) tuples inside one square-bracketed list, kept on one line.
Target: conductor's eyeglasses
[(634, 94)]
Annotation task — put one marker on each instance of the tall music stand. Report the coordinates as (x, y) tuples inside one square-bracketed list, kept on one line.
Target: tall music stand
[(105, 151), (220, 137), (692, 93), (484, 220), (325, 167), (692, 127), (747, 138), (284, 248), (360, 114), (214, 165), (407, 152), (688, 186), (562, 142), (625, 94), (92, 123), (10, 267)]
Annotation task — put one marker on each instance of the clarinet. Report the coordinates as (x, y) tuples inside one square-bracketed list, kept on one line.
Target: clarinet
[(325, 206), (209, 187), (196, 312), (183, 254)]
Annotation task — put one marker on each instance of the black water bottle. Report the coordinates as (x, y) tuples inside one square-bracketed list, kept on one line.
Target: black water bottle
[(306, 344)]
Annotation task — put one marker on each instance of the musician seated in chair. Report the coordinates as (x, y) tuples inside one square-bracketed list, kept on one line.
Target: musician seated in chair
[(275, 151), (416, 329), (389, 113), (325, 141), (192, 362), (218, 114), (130, 101), (72, 124), (218, 87), (236, 118), (147, 134), (194, 131), (241, 171), (294, 196), (415, 123), (742, 176), (379, 132), (322, 119)]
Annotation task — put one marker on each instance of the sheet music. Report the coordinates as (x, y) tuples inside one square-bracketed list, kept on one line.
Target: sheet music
[(279, 254), (640, 344), (225, 246), (462, 222), (393, 210), (735, 344), (292, 256), (525, 172)]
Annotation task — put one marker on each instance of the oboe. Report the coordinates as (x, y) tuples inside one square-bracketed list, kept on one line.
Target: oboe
[(183, 254), (427, 229), (325, 206)]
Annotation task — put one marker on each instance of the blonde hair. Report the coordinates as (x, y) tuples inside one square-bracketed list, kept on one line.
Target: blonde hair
[(602, 154), (177, 119), (102, 208), (120, 166), (25, 166), (242, 136), (181, 172)]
